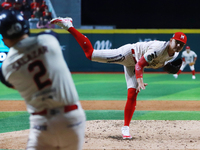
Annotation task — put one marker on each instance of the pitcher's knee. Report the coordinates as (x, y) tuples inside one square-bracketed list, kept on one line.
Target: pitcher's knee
[(88, 54)]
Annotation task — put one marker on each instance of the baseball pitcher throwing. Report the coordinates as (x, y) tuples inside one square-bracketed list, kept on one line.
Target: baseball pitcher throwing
[(57, 120), (134, 57)]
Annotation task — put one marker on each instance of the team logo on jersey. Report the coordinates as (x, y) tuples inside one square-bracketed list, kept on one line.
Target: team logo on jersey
[(104, 44), (138, 68), (151, 56)]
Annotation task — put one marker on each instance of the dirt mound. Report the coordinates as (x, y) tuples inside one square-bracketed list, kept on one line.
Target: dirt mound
[(106, 134)]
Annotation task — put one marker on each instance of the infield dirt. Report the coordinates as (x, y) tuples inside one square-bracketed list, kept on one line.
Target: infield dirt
[(106, 134), (116, 105)]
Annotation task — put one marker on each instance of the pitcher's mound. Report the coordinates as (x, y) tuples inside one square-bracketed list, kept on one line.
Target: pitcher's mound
[(106, 134)]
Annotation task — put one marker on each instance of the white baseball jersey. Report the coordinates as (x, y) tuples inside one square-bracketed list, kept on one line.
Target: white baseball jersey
[(36, 68), (189, 57), (155, 53)]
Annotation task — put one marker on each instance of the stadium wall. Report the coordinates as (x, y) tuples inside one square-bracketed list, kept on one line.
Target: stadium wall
[(110, 39)]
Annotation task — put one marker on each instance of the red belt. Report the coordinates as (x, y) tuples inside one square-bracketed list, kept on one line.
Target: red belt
[(53, 111)]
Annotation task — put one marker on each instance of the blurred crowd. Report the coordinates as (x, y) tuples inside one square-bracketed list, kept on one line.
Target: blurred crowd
[(31, 10)]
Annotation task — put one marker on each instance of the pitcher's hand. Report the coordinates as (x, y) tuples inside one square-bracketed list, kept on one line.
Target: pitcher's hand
[(141, 84)]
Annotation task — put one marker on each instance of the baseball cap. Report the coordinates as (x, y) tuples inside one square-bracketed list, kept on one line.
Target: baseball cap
[(180, 36), (187, 47)]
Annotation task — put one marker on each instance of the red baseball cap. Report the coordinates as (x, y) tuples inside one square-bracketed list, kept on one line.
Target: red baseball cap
[(180, 36), (187, 47)]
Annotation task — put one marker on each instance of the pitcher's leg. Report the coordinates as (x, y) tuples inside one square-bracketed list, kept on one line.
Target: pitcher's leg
[(130, 106), (83, 41), (131, 100)]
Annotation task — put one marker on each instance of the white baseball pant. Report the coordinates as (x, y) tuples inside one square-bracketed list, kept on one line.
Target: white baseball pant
[(184, 64), (124, 56), (61, 131)]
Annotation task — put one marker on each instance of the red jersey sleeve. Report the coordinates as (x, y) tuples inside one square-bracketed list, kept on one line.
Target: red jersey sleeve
[(140, 66)]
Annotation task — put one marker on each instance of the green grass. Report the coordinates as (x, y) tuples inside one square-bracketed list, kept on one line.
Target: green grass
[(16, 121), (8, 93), (143, 115), (113, 87), (13, 121), (160, 87)]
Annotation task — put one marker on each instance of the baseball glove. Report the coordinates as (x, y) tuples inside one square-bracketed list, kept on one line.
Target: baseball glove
[(173, 67), (192, 63)]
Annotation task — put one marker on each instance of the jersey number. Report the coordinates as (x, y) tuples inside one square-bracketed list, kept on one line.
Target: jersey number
[(38, 75)]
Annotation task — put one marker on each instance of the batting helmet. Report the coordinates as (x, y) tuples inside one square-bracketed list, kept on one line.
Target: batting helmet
[(13, 24)]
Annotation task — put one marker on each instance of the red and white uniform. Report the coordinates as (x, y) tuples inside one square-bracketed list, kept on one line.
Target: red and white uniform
[(188, 58), (36, 68), (134, 57), (154, 52)]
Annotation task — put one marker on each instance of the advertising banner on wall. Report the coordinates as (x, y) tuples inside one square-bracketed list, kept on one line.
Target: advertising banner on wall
[(3, 51)]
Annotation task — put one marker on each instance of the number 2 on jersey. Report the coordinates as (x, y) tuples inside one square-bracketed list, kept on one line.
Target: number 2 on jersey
[(42, 71)]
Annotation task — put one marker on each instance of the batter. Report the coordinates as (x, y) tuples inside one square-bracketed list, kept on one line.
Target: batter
[(35, 67)]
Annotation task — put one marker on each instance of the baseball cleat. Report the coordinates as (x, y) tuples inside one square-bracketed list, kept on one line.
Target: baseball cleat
[(125, 133), (64, 23), (175, 76)]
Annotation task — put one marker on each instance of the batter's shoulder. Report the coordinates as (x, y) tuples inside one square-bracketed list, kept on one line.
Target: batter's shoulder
[(46, 38)]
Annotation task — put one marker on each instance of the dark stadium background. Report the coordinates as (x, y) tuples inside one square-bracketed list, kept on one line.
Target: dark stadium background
[(141, 13)]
